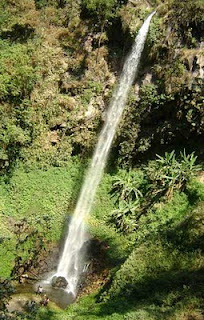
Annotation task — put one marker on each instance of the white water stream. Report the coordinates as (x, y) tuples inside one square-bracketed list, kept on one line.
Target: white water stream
[(71, 263)]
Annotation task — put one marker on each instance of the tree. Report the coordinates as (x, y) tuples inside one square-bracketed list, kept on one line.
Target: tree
[(103, 11)]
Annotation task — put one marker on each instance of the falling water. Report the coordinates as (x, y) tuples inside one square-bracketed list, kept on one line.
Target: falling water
[(71, 263)]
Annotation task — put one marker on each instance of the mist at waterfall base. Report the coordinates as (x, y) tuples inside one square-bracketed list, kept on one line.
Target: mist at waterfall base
[(71, 264)]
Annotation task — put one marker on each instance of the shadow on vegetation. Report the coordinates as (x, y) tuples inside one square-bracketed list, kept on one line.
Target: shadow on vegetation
[(188, 236), (8, 171), (119, 45), (163, 293), (19, 33), (160, 296), (48, 315)]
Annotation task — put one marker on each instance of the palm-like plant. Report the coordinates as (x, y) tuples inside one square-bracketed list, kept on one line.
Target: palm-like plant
[(127, 192), (164, 175), (124, 217), (168, 173), (126, 185)]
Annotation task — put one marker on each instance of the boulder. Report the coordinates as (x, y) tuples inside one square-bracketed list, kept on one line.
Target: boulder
[(59, 282)]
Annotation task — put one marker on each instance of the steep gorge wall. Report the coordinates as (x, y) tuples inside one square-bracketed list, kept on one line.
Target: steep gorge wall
[(61, 60), (168, 111)]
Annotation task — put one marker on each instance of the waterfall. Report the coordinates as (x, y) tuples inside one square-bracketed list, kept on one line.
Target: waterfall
[(71, 263)]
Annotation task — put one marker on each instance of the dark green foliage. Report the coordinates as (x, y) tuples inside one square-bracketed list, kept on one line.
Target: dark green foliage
[(167, 173), (58, 63), (125, 216), (168, 110), (161, 119), (101, 8), (16, 132), (6, 290), (140, 126), (103, 12), (18, 32), (17, 75), (12, 138), (163, 268), (127, 190), (17, 78), (191, 108), (43, 3), (30, 243), (154, 33), (127, 185), (187, 19), (137, 192)]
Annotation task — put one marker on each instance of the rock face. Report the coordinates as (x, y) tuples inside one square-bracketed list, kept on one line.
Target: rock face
[(59, 282)]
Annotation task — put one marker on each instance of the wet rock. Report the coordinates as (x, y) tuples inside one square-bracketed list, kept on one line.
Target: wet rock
[(59, 282)]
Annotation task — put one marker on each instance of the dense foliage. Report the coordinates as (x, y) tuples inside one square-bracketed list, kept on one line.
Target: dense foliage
[(136, 192), (53, 89), (59, 62)]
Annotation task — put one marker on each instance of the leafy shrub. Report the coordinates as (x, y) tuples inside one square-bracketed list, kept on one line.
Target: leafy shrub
[(102, 8), (17, 75), (168, 173), (102, 12), (136, 192), (17, 78), (30, 242), (43, 3), (154, 33), (6, 290), (128, 185), (127, 191), (124, 217), (187, 18)]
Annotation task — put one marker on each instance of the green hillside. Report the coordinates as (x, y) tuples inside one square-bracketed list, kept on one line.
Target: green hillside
[(60, 61)]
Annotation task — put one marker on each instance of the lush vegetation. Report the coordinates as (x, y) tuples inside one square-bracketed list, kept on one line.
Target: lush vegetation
[(59, 63)]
